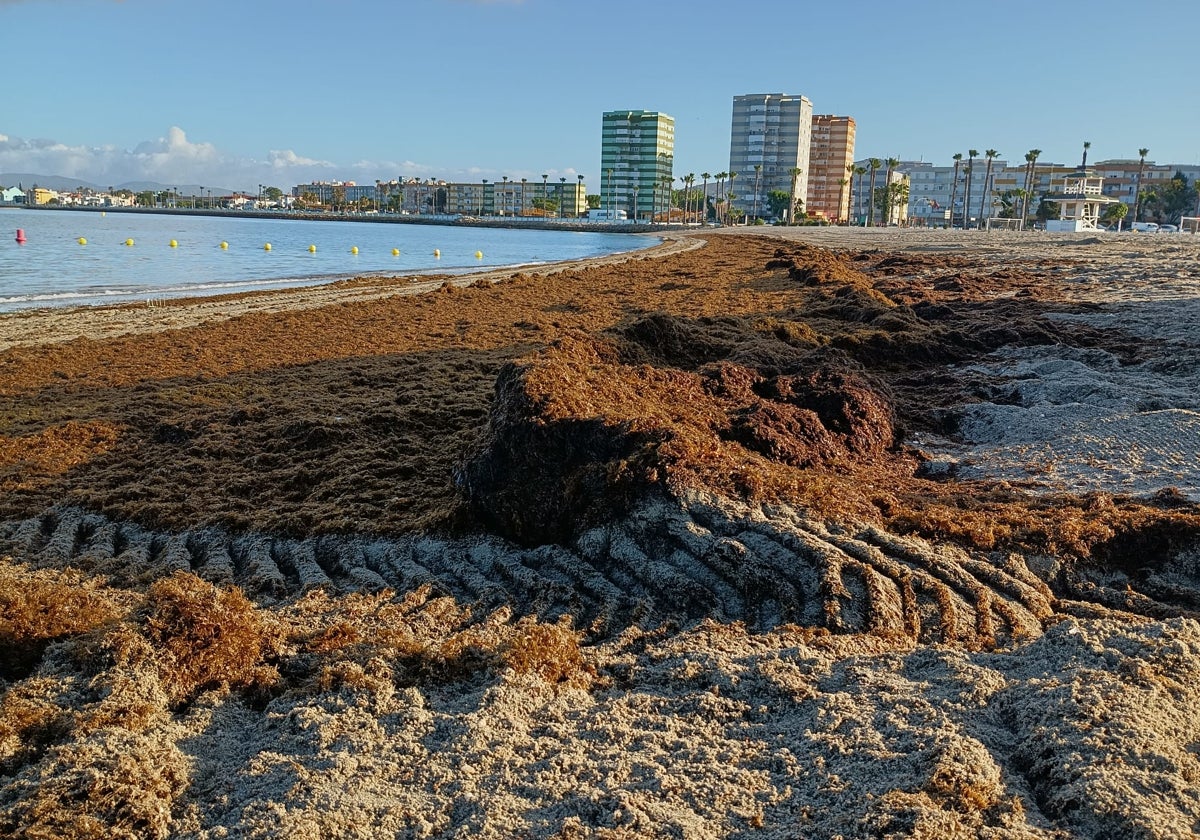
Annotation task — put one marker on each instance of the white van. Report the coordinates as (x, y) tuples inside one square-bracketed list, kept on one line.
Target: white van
[(1144, 227)]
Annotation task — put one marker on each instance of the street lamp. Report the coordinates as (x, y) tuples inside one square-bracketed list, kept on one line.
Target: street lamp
[(504, 195), (578, 190), (545, 195), (482, 196)]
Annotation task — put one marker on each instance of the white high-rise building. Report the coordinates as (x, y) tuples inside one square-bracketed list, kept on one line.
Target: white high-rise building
[(772, 131)]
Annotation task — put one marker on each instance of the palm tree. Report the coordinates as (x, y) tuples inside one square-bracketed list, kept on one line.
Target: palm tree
[(704, 201), (892, 163), (757, 179), (971, 155), (721, 176), (985, 199), (794, 172), (729, 203), (690, 180), (842, 193), (875, 164), (850, 173), (1137, 189), (1086, 146), (954, 186), (667, 181), (1030, 177), (860, 171)]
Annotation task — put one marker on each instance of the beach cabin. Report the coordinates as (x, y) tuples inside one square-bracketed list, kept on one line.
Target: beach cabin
[(1081, 200)]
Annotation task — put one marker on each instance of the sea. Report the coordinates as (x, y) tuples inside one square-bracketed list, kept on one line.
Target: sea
[(52, 268)]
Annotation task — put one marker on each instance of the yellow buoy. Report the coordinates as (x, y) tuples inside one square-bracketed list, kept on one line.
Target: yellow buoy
[(395, 252), (82, 241), (312, 249), (479, 255), (354, 249), (174, 244), (129, 242), (267, 247), (437, 253), (224, 246)]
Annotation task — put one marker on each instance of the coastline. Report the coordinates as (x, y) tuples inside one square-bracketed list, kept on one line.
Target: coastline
[(516, 223), (53, 324)]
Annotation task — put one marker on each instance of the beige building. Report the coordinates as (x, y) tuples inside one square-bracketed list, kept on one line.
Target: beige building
[(831, 152)]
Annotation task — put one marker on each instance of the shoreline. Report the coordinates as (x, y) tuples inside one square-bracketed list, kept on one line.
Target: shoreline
[(447, 220), (47, 325)]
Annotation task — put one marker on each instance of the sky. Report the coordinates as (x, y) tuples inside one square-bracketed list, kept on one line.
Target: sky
[(237, 93)]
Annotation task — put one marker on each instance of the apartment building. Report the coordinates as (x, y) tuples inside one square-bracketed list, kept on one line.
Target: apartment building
[(772, 131), (932, 188), (831, 151), (1121, 176), (414, 196), (637, 157)]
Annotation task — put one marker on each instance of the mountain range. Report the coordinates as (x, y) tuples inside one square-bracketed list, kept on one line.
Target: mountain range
[(59, 182)]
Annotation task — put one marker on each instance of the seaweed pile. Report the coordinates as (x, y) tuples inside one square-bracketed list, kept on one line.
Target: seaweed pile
[(454, 531)]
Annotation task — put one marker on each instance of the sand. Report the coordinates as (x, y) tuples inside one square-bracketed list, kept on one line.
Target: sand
[(772, 626)]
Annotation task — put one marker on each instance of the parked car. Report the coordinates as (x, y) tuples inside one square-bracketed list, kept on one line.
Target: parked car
[(1144, 227), (1168, 229)]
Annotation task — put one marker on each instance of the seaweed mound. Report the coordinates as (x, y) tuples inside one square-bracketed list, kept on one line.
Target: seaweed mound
[(577, 434)]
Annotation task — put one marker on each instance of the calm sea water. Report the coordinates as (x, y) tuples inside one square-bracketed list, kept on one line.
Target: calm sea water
[(52, 269)]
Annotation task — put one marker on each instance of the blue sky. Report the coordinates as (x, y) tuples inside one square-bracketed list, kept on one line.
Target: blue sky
[(234, 94)]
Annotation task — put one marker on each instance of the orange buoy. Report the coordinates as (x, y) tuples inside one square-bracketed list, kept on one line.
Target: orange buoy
[(21, 235)]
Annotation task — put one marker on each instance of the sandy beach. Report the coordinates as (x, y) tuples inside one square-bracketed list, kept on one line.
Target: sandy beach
[(763, 532)]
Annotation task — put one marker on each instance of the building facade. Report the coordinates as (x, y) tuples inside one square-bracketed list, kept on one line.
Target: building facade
[(831, 152), (771, 131), (565, 198), (637, 157)]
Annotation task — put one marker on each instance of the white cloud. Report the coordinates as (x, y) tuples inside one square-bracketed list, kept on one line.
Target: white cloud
[(170, 159), (174, 159), (286, 158)]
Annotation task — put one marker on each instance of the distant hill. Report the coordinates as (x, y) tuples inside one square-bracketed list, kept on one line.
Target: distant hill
[(59, 182), (50, 182)]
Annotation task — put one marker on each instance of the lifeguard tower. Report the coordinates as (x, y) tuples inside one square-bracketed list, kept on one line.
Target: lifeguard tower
[(1080, 200)]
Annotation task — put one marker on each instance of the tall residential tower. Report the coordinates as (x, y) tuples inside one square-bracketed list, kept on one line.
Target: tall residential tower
[(636, 164), (828, 177), (772, 131)]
